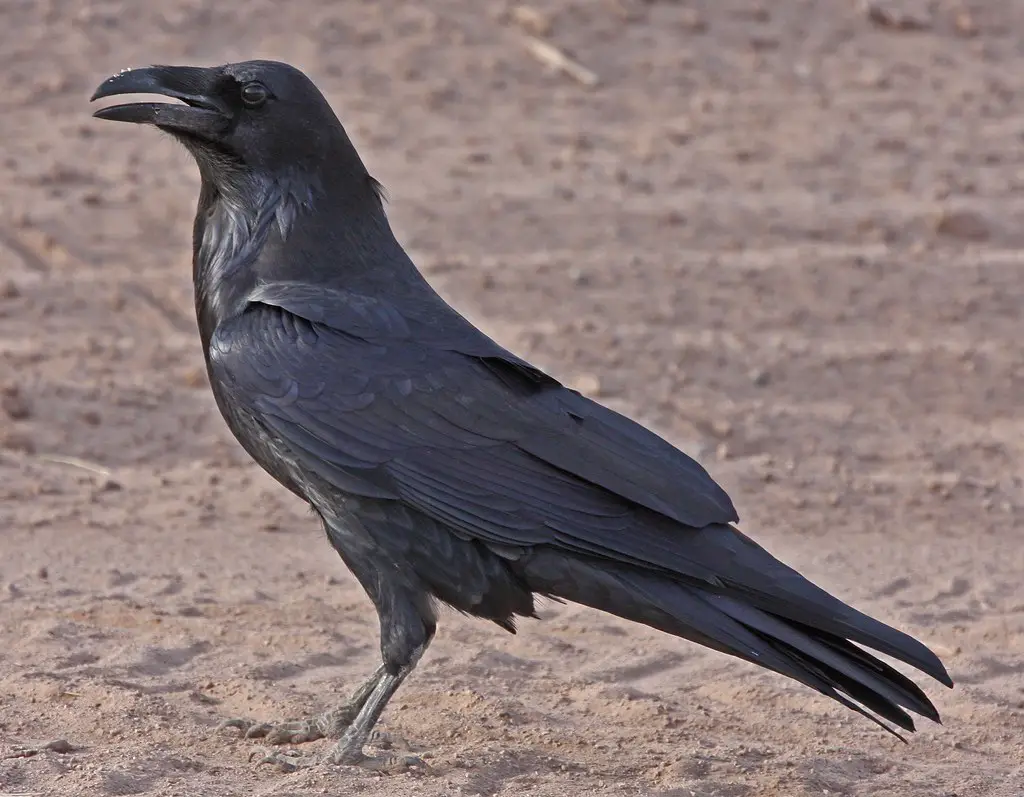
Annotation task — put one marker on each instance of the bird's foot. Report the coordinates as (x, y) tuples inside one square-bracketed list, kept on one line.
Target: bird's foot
[(389, 763), (295, 760), (329, 725), (351, 723), (392, 764), (349, 752)]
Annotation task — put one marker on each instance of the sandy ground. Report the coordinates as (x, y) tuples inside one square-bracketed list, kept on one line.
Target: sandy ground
[(786, 234)]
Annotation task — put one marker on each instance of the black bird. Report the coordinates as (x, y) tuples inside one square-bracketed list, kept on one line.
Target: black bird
[(445, 469)]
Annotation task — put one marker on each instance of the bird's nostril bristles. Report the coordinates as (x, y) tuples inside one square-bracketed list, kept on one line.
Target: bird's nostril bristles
[(194, 102)]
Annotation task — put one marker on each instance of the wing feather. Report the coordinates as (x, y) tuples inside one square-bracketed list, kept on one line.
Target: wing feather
[(492, 450)]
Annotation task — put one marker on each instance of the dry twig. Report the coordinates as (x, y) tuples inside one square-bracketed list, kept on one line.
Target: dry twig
[(551, 56)]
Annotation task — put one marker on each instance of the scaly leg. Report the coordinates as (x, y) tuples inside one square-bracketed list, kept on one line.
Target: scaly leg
[(330, 725), (407, 624), (349, 750)]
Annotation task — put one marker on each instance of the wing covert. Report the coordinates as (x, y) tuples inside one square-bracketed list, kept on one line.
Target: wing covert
[(437, 429)]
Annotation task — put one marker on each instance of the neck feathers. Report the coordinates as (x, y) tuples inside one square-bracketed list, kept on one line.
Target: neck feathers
[(231, 229), (240, 230)]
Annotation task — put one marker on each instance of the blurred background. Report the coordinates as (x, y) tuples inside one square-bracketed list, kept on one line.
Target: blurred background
[(786, 234)]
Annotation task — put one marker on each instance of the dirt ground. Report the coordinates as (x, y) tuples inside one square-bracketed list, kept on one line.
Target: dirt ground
[(786, 234)]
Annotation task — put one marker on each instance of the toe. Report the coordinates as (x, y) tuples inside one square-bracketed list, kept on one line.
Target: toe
[(382, 740), (287, 761), (236, 722), (393, 763), (258, 730), (285, 734)]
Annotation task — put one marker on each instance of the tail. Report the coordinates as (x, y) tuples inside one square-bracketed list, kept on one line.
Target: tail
[(781, 622)]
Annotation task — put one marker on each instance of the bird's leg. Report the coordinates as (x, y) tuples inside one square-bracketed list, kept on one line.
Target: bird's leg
[(407, 624), (360, 731), (330, 724), (349, 750)]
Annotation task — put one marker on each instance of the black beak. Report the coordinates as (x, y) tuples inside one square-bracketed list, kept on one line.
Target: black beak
[(202, 115)]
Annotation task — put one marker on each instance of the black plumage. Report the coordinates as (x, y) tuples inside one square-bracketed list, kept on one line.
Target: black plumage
[(446, 469)]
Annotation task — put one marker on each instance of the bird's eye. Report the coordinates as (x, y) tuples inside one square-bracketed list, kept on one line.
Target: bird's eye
[(254, 94)]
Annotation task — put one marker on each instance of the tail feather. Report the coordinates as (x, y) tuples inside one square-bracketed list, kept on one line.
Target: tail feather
[(759, 579), (921, 705), (855, 672), (818, 658)]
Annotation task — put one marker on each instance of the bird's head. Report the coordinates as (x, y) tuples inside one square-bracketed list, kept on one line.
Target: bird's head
[(254, 117)]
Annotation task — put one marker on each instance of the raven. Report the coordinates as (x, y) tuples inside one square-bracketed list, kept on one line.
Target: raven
[(444, 468)]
